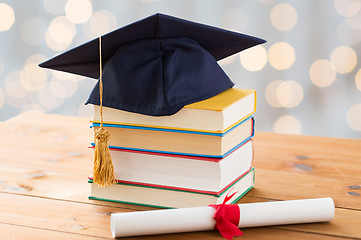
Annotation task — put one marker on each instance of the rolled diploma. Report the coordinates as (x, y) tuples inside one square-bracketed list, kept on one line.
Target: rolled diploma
[(201, 218)]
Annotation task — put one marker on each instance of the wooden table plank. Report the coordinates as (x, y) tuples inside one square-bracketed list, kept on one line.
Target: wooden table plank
[(16, 232), (93, 220), (284, 185), (55, 215), (346, 223), (52, 185), (47, 142), (44, 163), (320, 156)]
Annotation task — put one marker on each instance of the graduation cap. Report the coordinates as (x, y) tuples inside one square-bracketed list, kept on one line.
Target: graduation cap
[(157, 65), (154, 66)]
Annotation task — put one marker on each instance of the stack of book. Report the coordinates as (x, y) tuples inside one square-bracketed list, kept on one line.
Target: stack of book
[(192, 158)]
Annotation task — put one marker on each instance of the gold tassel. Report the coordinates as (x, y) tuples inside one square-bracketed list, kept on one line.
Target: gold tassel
[(103, 170)]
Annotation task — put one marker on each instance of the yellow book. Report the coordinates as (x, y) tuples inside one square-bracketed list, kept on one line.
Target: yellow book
[(216, 114)]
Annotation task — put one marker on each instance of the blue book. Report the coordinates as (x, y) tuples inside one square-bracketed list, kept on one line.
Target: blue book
[(178, 141)]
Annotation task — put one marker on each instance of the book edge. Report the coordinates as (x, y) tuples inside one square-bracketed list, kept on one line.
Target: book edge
[(175, 129), (204, 104), (157, 206), (190, 154), (162, 187)]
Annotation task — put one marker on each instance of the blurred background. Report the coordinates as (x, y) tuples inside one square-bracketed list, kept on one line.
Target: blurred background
[(307, 76)]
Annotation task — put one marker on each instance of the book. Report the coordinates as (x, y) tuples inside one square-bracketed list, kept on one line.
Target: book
[(216, 114), (199, 173), (183, 142), (162, 197)]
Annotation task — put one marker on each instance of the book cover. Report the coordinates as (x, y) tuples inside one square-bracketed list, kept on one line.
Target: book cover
[(202, 173), (181, 142), (158, 196), (217, 114)]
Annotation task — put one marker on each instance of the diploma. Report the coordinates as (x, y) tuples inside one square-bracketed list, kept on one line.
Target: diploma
[(202, 218)]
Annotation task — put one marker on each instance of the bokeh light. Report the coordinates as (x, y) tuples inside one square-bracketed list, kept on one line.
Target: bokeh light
[(322, 73), (32, 31), (29, 84), (227, 60), (354, 117), (344, 59), (235, 20), (60, 33), (32, 77), (100, 23), (354, 22), (16, 94), (288, 94), (63, 88), (54, 7), (62, 75), (326, 43), (67, 76), (7, 17), (253, 59), (78, 11), (13, 86), (283, 17), (347, 8), (271, 95), (48, 100), (358, 79), (287, 124), (281, 55)]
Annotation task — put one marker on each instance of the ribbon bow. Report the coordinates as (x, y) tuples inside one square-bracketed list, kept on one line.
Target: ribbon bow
[(227, 218)]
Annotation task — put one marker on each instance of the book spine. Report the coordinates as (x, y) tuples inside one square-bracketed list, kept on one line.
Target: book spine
[(181, 153), (219, 134), (216, 194), (185, 156)]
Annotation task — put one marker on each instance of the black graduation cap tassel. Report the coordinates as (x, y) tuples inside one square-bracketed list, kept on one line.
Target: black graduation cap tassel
[(103, 170)]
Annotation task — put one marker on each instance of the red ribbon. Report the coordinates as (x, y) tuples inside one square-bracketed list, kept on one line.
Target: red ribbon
[(227, 218)]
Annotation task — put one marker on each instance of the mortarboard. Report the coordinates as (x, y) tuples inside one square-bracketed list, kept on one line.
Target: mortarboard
[(154, 66), (157, 65)]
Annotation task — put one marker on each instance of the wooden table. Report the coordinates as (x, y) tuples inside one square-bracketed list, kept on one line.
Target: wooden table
[(45, 162)]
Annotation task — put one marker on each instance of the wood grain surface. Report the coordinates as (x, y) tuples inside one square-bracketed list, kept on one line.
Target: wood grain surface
[(45, 162)]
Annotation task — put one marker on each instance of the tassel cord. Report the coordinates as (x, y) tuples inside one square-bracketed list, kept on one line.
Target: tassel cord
[(103, 170)]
